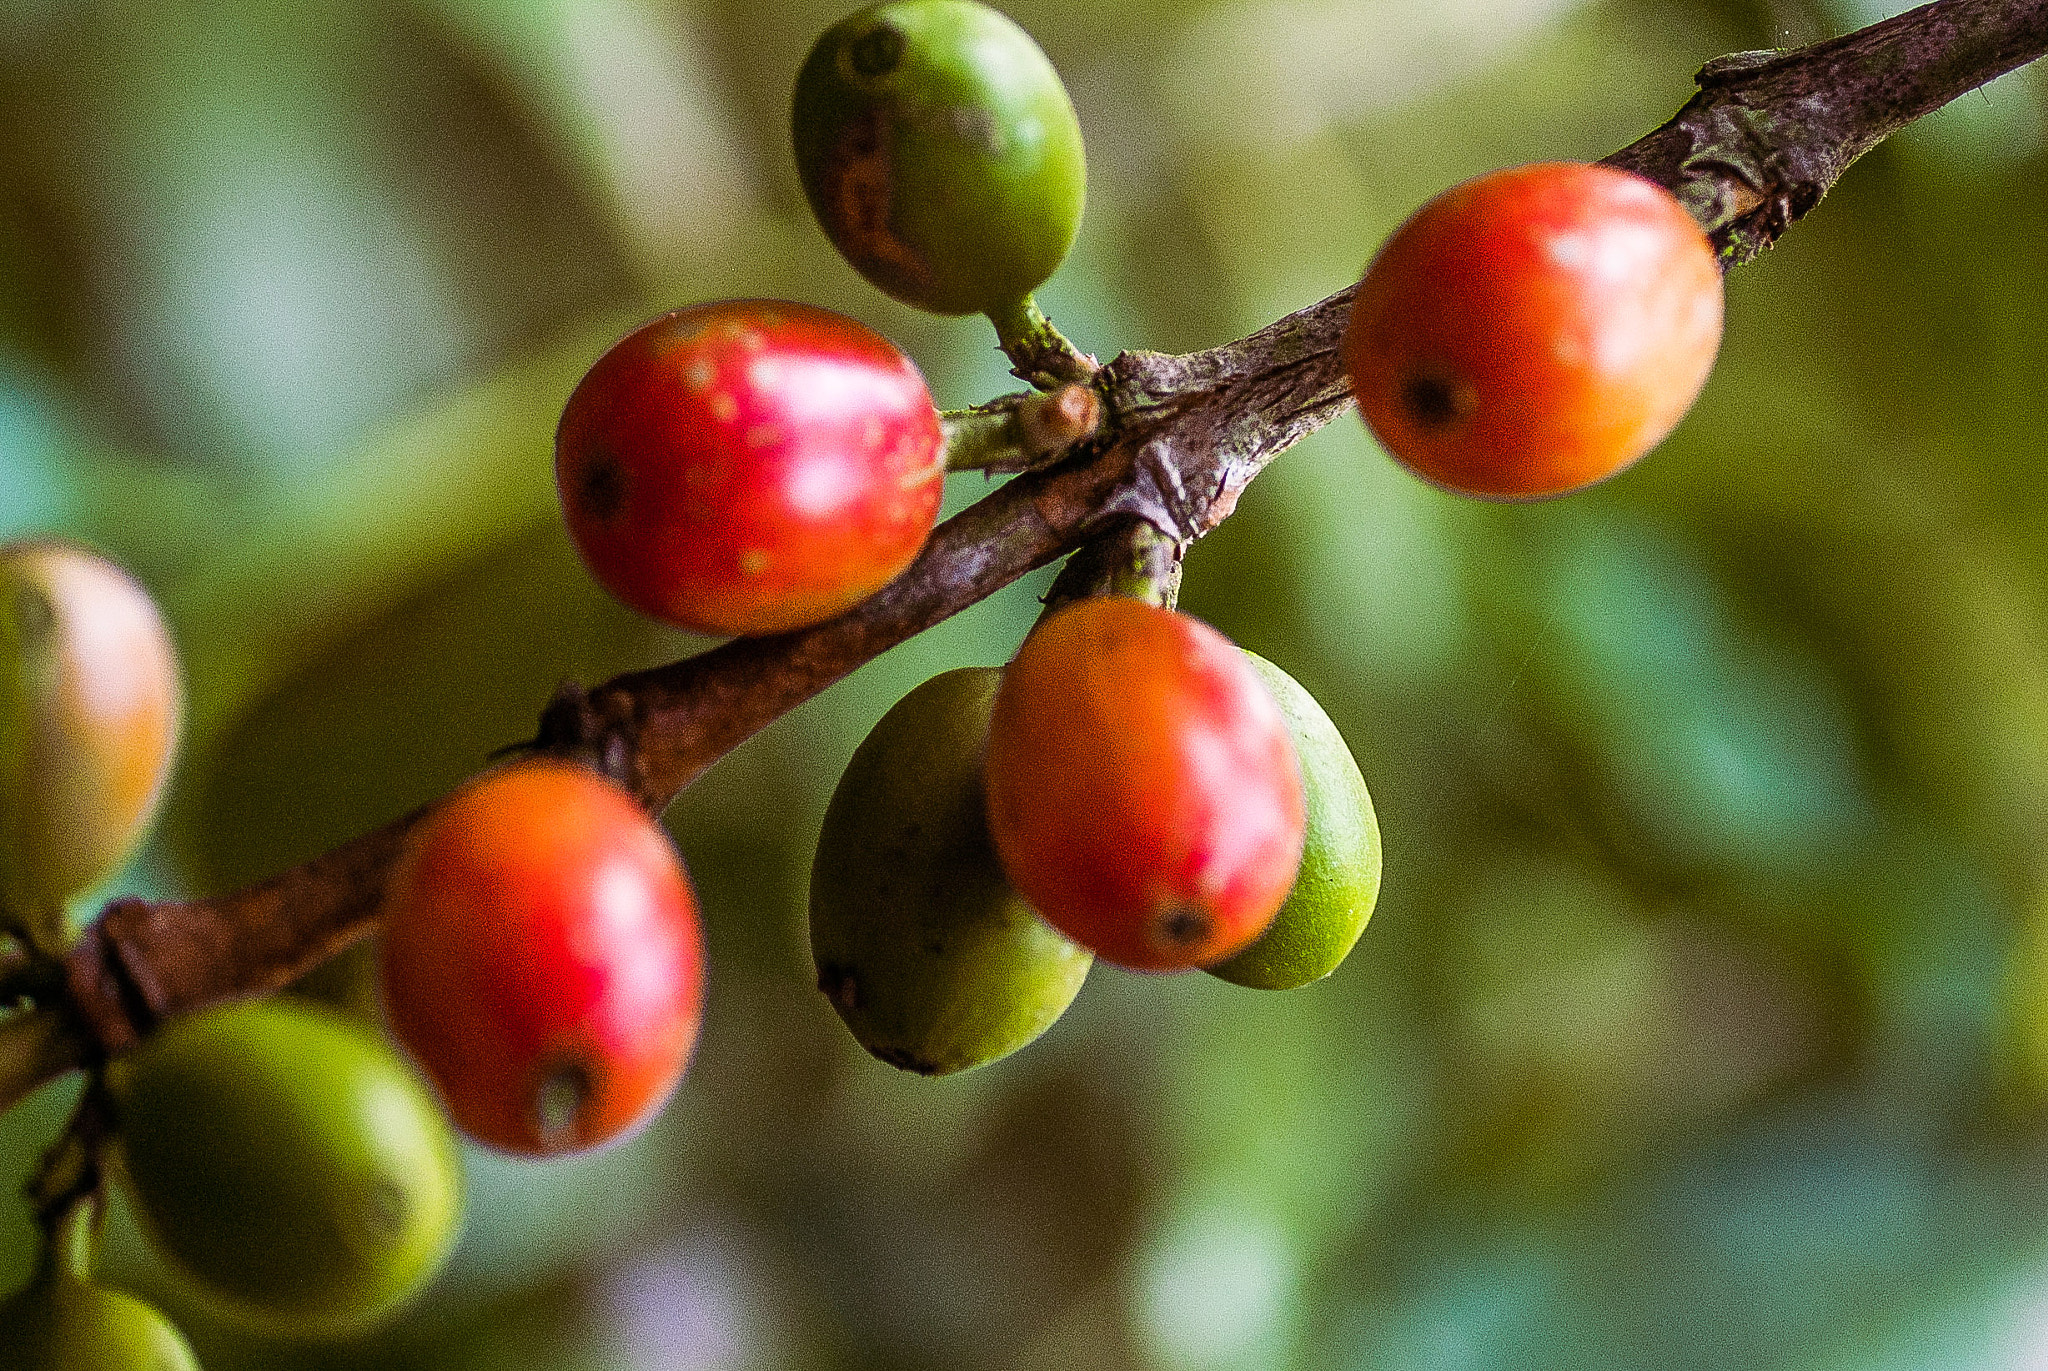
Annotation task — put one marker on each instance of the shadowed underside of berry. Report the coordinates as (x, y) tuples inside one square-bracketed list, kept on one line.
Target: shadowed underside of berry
[(940, 153), (935, 963), (1339, 881)]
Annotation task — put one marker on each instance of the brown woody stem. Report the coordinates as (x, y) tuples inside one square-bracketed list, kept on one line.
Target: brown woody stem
[(1769, 132), (1750, 153)]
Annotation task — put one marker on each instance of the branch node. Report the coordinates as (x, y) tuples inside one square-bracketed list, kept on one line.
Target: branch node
[(598, 729)]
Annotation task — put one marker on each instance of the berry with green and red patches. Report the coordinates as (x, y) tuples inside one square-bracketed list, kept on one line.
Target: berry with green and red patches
[(1143, 792), (90, 705), (940, 153), (750, 466), (542, 960)]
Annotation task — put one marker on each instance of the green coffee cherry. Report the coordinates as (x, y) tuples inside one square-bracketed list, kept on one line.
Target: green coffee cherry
[(1340, 863), (61, 1323), (89, 711), (935, 963), (941, 154), (286, 1160)]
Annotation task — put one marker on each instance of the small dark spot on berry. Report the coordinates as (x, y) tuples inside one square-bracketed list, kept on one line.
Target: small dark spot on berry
[(384, 1210), (558, 1103), (877, 52), (1185, 924), (33, 613), (840, 985), (601, 491), (907, 1060), (1436, 402)]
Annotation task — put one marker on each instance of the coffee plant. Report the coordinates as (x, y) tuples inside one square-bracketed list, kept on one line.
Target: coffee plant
[(1130, 787)]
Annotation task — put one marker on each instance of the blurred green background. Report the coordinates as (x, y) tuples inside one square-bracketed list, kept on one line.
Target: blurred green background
[(1704, 1020)]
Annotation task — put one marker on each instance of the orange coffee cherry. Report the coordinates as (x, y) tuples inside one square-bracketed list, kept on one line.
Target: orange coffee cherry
[(1535, 330), (542, 960), (1143, 792)]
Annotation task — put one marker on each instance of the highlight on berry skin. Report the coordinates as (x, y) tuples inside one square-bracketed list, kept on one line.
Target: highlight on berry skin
[(749, 466), (1535, 330)]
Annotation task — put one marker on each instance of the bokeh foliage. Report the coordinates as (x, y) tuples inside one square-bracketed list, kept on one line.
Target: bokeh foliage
[(1704, 1021)]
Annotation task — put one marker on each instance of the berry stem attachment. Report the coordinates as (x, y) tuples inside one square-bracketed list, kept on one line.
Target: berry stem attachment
[(68, 1187), (36, 1046), (71, 1245), (1133, 559), (1038, 352), (1020, 432)]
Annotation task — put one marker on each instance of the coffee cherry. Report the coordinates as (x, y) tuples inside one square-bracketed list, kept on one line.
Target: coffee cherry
[(928, 954), (941, 154), (61, 1323), (89, 712), (285, 1159), (1535, 330), (541, 959), (1142, 790), (1339, 880), (750, 466)]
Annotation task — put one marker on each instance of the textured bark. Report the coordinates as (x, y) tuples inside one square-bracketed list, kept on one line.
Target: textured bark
[(1751, 152)]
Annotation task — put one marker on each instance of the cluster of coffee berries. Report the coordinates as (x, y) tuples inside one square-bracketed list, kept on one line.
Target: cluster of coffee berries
[(1131, 786), (278, 1154)]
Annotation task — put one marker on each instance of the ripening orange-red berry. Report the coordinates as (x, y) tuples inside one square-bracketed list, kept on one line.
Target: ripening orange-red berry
[(749, 466), (1143, 792), (1535, 330), (90, 706), (542, 960)]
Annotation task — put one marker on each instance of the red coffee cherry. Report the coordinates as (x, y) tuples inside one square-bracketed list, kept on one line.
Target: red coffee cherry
[(749, 466), (542, 960), (1143, 793), (1535, 330)]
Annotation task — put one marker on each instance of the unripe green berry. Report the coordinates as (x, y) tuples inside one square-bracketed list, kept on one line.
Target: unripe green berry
[(285, 1159), (930, 957), (61, 1323), (941, 154), (1339, 880)]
